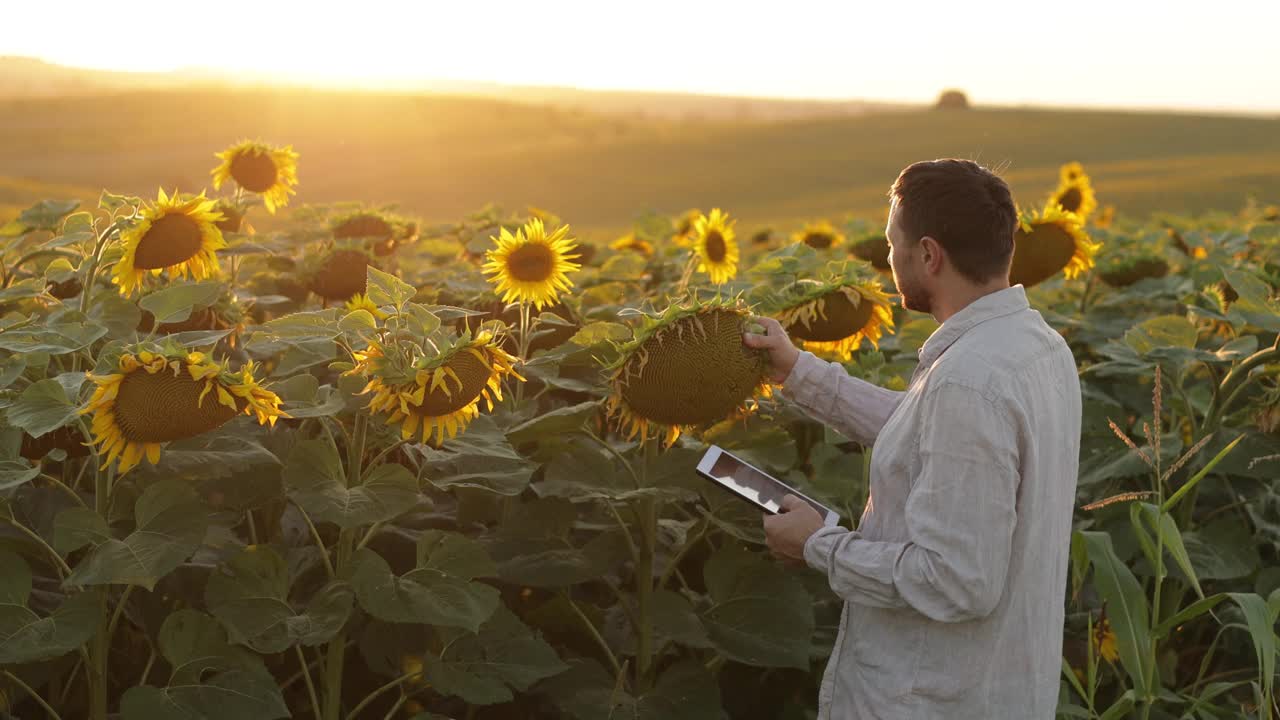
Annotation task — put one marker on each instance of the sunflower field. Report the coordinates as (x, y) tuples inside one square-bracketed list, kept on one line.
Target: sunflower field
[(351, 464)]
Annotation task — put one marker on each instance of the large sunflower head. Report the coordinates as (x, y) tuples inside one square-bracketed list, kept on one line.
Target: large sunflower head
[(381, 232), (176, 235), (1075, 192), (835, 316), (713, 241), (1050, 242), (685, 369), (436, 396), (1123, 272), (271, 172), (874, 248), (532, 266), (819, 235), (158, 397)]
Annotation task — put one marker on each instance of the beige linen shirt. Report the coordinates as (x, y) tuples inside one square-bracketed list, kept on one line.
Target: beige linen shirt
[(954, 581)]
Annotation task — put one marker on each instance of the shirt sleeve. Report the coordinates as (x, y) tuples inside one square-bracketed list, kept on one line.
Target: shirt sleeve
[(960, 515), (828, 393)]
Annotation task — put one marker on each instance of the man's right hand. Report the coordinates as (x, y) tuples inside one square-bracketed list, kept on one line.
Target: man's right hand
[(782, 353)]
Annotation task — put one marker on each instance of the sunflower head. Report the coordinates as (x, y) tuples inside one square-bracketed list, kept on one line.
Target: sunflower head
[(1126, 271), (361, 301), (762, 238), (874, 248), (381, 232), (836, 315), (1047, 243), (340, 273), (682, 227), (232, 217), (532, 266), (158, 397), (174, 235), (1075, 197), (819, 236), (714, 243), (271, 172), (632, 242), (436, 396), (1070, 172), (685, 369)]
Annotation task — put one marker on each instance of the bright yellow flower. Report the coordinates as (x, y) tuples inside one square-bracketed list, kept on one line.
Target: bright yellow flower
[(174, 235)]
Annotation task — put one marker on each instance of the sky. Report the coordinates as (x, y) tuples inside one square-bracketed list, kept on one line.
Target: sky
[(1221, 55)]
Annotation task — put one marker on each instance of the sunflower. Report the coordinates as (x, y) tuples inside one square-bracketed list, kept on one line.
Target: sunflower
[(157, 397), (836, 316), (382, 232), (1047, 243), (819, 235), (713, 241), (685, 369), (682, 228), (269, 171), (439, 395), (874, 248), (631, 242), (340, 274), (1075, 195), (361, 301), (1127, 271), (1070, 172), (180, 236), (1104, 640), (532, 266)]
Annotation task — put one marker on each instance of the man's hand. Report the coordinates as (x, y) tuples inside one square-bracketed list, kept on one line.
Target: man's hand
[(782, 353), (786, 532)]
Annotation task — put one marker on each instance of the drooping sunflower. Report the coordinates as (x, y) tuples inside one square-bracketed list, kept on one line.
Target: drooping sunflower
[(1050, 242), (174, 235), (685, 369), (835, 316), (339, 274), (532, 266), (631, 242), (819, 235), (158, 397), (271, 172), (382, 232), (874, 248), (437, 396), (713, 241), (1074, 193), (1126, 271)]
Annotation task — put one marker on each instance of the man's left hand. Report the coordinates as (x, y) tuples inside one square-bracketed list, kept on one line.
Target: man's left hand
[(786, 532)]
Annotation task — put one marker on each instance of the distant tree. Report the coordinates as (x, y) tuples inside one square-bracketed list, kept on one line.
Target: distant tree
[(953, 100)]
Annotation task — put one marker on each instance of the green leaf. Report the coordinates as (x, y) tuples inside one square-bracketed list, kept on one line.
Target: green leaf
[(454, 554), (194, 644), (422, 596), (26, 637), (481, 457), (42, 407), (176, 302), (16, 472), (1223, 550), (249, 595), (684, 691), (171, 523), (57, 338), (46, 214), (299, 326), (77, 527), (675, 620), (482, 668), (10, 368), (1261, 624), (761, 615), (422, 322), (1164, 331), (319, 484), (557, 422), (1126, 606), (1172, 540), (1190, 612), (599, 332), (1121, 707), (387, 289), (240, 694), (356, 321)]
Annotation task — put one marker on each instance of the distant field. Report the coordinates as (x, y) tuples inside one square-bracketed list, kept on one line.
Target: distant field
[(440, 157)]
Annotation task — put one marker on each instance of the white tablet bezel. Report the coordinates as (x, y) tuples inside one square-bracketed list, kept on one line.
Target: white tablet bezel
[(712, 455)]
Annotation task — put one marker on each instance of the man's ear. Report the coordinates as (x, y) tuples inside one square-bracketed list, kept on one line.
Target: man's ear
[(932, 254)]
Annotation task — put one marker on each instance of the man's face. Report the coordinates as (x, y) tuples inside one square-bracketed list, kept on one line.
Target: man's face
[(907, 267)]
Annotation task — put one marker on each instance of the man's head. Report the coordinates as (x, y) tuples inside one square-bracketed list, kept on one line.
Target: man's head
[(950, 231)]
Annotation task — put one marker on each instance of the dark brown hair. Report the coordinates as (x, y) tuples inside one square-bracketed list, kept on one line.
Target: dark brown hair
[(965, 207)]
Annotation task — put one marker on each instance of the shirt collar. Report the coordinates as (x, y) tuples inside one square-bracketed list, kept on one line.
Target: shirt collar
[(989, 306)]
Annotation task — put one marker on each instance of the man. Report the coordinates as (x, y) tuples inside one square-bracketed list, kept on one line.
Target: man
[(954, 581)]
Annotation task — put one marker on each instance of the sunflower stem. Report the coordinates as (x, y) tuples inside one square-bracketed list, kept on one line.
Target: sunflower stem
[(687, 275), (523, 343), (644, 578), (34, 695), (336, 652), (306, 676)]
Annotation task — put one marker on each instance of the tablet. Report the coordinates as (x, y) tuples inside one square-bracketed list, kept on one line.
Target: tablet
[(752, 484)]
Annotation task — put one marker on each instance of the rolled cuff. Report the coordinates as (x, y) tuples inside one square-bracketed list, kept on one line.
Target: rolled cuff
[(819, 547)]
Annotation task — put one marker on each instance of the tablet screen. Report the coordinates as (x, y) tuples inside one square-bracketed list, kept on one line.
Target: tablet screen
[(753, 484)]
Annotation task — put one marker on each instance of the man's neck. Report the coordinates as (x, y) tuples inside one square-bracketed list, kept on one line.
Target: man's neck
[(948, 304)]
